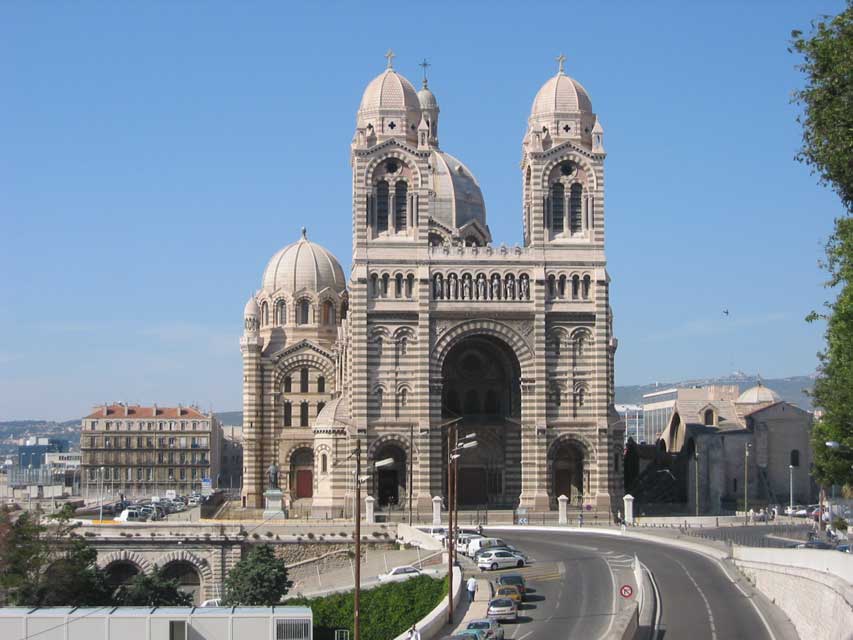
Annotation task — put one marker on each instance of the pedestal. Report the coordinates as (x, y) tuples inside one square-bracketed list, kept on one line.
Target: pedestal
[(369, 515), (563, 502), (629, 508), (436, 510), (272, 504)]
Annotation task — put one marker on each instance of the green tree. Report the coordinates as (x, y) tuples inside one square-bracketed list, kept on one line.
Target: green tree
[(259, 579), (44, 564), (827, 120), (152, 589)]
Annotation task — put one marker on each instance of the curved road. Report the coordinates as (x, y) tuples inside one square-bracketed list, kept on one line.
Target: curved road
[(573, 577)]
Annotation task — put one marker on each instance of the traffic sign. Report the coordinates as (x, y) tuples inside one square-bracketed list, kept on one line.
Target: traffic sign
[(626, 591)]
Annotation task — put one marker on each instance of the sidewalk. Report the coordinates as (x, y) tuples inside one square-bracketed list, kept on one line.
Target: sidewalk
[(473, 610)]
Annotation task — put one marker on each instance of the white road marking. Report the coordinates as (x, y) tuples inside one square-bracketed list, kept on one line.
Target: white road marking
[(525, 635), (751, 600), (705, 598)]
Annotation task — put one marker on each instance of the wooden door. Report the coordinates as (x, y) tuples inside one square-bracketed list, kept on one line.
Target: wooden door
[(304, 483), (472, 487)]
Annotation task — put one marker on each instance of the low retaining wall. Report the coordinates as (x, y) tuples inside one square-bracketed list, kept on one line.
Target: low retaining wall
[(419, 538), (813, 587), (433, 624)]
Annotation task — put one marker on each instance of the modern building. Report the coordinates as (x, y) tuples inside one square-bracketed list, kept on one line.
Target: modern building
[(231, 464), (753, 439), (435, 323), (633, 417), (32, 454), (68, 460), (145, 451)]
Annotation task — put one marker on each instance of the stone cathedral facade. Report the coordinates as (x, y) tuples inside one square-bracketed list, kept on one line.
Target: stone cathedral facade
[(436, 323)]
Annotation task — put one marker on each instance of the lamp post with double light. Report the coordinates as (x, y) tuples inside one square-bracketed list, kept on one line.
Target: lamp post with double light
[(746, 449), (454, 453), (790, 490)]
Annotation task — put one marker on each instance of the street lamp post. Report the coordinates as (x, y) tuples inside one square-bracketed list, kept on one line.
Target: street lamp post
[(746, 481), (696, 470), (790, 490), (101, 493), (411, 469)]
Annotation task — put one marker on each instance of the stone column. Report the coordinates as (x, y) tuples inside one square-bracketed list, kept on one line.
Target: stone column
[(369, 516), (629, 508), (563, 517), (436, 510)]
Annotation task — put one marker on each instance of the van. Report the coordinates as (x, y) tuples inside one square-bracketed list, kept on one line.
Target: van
[(477, 544), (132, 515)]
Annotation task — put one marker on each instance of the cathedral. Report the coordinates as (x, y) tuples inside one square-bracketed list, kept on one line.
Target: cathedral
[(438, 330)]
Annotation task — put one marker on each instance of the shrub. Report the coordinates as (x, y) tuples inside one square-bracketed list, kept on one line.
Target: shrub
[(256, 536), (386, 611), (839, 524), (310, 536)]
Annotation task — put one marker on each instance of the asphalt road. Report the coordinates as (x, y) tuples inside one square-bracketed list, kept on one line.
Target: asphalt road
[(574, 580)]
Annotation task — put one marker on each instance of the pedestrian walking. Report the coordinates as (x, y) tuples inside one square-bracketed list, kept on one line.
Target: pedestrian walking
[(414, 634), (471, 586)]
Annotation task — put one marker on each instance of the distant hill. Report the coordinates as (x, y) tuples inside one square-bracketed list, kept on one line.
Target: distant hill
[(234, 418), (792, 390)]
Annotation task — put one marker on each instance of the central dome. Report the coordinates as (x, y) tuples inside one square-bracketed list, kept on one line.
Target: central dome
[(561, 94), (389, 91), (758, 394), (303, 265)]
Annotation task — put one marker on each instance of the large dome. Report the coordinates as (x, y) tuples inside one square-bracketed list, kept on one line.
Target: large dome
[(561, 94), (458, 199), (303, 265), (389, 91), (758, 394)]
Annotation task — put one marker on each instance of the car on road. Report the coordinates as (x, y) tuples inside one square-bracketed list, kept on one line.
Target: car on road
[(467, 634), (398, 574), (815, 544), (132, 515), (515, 580), (509, 591), (499, 560), (477, 544), (463, 539), (502, 610), (506, 547), (491, 628), (843, 548)]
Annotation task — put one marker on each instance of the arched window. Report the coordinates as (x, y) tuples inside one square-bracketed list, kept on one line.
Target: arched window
[(404, 347), (303, 310), (576, 209), (401, 193), (303, 380), (288, 384), (374, 285), (585, 288), (303, 414), (558, 210), (321, 384), (556, 396), (795, 457), (562, 287), (410, 285), (378, 394), (328, 312), (382, 207), (324, 464), (555, 344), (288, 414), (398, 285), (385, 279), (280, 312), (552, 286), (265, 313), (576, 285), (709, 418), (581, 396)]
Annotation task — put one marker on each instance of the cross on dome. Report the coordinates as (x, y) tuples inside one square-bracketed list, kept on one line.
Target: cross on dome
[(425, 65), (560, 60), (304, 233), (390, 57)]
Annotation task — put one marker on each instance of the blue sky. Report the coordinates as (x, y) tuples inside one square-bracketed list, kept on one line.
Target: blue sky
[(155, 155)]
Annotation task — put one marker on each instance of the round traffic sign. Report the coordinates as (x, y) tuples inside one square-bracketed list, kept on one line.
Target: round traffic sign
[(626, 591)]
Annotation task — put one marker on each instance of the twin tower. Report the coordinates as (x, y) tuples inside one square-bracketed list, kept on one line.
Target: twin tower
[(436, 324)]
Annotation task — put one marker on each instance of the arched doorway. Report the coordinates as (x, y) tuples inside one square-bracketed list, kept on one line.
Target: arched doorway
[(120, 572), (391, 481), (567, 471), (480, 378), (302, 474), (187, 577)]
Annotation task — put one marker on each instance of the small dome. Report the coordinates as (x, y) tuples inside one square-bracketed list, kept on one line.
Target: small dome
[(303, 265), (758, 394), (426, 99), (561, 94), (334, 414), (251, 308), (458, 199), (389, 91)]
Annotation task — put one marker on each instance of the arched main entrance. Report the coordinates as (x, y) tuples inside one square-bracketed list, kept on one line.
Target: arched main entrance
[(481, 383), (568, 477), (391, 481), (302, 473), (187, 577), (120, 572)]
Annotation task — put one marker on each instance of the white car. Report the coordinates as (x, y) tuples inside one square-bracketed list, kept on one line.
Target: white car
[(463, 540), (499, 560), (398, 574)]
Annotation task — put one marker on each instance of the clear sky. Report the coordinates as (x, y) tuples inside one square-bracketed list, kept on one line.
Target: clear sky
[(154, 155)]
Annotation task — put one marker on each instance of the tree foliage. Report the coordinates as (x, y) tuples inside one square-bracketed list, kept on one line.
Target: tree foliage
[(152, 590), (44, 565), (259, 579), (827, 120)]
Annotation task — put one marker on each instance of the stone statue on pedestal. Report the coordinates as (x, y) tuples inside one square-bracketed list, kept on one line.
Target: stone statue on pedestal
[(272, 474)]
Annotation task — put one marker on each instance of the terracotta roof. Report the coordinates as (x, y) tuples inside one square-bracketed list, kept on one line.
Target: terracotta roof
[(137, 411)]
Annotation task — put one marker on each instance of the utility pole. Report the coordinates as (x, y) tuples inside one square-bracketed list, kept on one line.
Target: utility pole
[(791, 489), (746, 482), (450, 436), (696, 470), (411, 453), (357, 598)]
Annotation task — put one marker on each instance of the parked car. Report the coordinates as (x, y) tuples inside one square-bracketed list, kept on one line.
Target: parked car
[(815, 544), (506, 547), (492, 629), (439, 533), (509, 591), (398, 574), (467, 634), (499, 560), (132, 515), (476, 544), (502, 609), (515, 580), (463, 540)]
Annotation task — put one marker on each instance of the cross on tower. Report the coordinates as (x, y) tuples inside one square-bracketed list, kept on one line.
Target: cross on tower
[(425, 65), (390, 57), (560, 60)]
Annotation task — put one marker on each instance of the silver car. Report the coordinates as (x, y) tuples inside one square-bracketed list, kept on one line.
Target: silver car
[(503, 609), (490, 627), (499, 560)]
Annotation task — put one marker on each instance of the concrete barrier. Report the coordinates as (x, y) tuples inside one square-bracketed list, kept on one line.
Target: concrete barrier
[(434, 622), (415, 536), (813, 587)]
